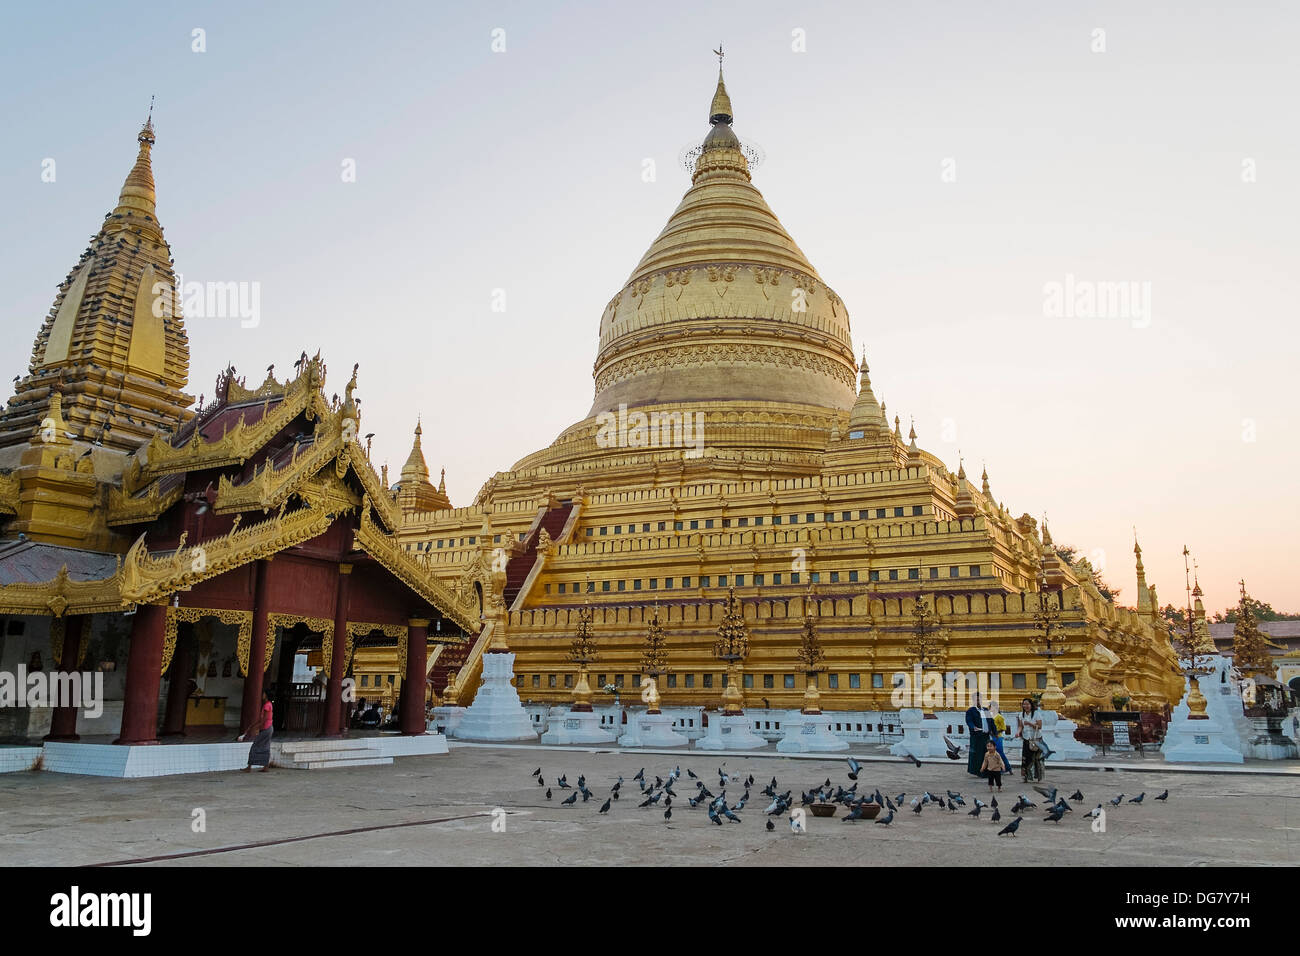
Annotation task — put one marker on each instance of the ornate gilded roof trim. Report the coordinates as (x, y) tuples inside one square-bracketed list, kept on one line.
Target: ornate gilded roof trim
[(62, 595), (145, 578), (124, 509), (386, 550)]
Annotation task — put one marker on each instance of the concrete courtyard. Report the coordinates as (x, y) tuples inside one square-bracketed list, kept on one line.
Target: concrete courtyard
[(439, 810)]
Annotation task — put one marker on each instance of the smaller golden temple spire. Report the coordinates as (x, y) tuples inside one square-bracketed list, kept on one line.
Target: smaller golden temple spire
[(138, 195), (720, 108)]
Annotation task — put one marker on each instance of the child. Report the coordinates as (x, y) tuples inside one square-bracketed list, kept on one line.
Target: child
[(993, 765)]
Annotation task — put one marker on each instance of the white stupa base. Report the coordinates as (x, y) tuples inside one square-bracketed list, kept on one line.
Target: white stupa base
[(809, 733), (1058, 732), (651, 730), (1212, 740), (575, 727), (922, 736), (496, 713), (448, 718), (1265, 745), (730, 732)]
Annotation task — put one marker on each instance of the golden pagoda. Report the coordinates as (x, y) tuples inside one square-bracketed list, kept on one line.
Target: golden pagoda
[(727, 448)]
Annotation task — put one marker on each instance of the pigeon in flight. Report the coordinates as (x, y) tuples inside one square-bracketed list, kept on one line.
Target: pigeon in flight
[(1049, 794), (854, 767), (909, 756), (573, 798), (954, 750), (1011, 827), (1163, 796), (604, 807)]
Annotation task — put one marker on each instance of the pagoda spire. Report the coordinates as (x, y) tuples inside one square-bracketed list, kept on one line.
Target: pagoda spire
[(866, 414), (138, 194), (1144, 593)]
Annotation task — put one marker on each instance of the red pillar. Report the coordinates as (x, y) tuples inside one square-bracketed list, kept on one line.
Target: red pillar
[(251, 708), (178, 689), (417, 647), (143, 676), (332, 725), (63, 723)]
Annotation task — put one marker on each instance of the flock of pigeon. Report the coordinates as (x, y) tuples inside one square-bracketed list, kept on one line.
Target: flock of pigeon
[(662, 793)]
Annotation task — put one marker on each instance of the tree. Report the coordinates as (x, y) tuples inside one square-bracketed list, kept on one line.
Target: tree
[(1250, 651), (1176, 616), (1070, 555)]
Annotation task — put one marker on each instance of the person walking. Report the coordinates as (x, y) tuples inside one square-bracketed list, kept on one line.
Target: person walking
[(980, 726), (259, 755), (993, 765), (999, 731), (1029, 728)]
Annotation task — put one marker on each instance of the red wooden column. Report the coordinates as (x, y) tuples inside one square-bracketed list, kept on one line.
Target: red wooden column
[(332, 725), (417, 649), (178, 690), (63, 723), (251, 707), (143, 676)]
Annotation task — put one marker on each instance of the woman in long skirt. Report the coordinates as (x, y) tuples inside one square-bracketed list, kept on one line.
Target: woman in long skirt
[(259, 755), (1029, 728)]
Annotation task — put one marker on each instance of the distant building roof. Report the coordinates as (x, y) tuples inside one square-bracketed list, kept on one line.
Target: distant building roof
[(1280, 632)]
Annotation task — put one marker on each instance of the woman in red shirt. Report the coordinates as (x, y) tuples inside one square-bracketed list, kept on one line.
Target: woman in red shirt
[(259, 755)]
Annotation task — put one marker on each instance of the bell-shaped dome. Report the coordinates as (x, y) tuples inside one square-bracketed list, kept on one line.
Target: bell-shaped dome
[(724, 306)]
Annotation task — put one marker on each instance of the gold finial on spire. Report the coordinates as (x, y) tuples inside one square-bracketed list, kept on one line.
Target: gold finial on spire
[(720, 108)]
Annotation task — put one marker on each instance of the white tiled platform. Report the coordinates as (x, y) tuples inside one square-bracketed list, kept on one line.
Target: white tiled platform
[(14, 759), (111, 760)]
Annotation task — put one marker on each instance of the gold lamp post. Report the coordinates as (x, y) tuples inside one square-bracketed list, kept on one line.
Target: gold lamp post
[(1047, 621), (654, 661), (1193, 658), (813, 661), (582, 651), (731, 648), (928, 643)]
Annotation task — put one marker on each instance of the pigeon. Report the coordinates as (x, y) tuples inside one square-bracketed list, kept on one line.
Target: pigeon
[(645, 803), (854, 767), (908, 755), (954, 751), (887, 819), (854, 814), (976, 812), (714, 817), (573, 798), (1163, 796), (890, 804), (541, 782), (773, 807), (899, 798), (1011, 827), (1077, 795), (1117, 801), (537, 772), (916, 806), (1054, 814), (669, 801), (691, 773), (730, 816), (770, 826), (1095, 812), (586, 794), (668, 814), (582, 782), (980, 804), (563, 782), (997, 815), (659, 782), (1138, 798), (1063, 806), (1022, 804), (1049, 794), (548, 793), (993, 802), (617, 786), (604, 807), (640, 774)]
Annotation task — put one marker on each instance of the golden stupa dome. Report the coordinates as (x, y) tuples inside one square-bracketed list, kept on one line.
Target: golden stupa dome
[(724, 306)]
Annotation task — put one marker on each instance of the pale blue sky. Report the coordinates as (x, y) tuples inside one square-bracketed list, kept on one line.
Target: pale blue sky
[(522, 171)]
